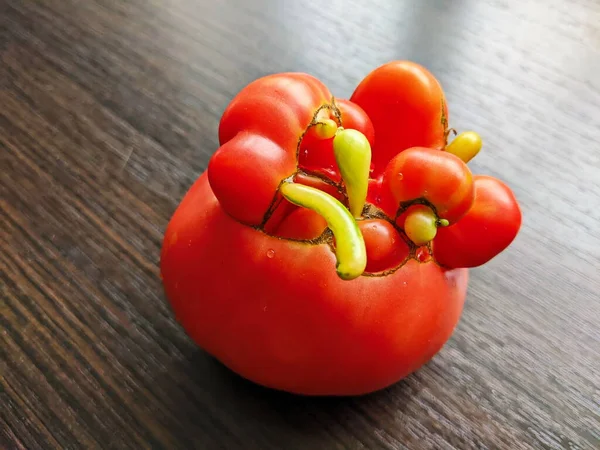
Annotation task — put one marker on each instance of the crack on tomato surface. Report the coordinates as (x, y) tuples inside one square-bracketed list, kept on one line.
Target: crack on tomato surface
[(370, 211), (322, 177), (326, 237), (416, 201), (444, 119), (276, 201), (314, 121), (277, 198)]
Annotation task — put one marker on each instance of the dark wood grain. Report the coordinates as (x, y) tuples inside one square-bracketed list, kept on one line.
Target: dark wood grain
[(109, 111)]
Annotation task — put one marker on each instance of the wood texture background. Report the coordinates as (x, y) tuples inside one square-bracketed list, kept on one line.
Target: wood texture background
[(109, 111)]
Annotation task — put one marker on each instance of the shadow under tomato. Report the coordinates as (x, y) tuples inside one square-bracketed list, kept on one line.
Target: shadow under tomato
[(212, 402)]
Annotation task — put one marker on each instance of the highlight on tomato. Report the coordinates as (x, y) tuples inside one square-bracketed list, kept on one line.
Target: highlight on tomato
[(326, 248)]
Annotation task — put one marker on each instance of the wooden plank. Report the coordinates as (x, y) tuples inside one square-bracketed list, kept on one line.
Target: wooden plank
[(110, 111)]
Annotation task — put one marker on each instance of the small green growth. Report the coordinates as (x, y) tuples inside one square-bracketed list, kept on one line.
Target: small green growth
[(350, 250), (352, 153)]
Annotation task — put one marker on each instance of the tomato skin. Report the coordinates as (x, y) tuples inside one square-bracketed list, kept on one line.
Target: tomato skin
[(239, 159), (355, 118), (407, 107), (301, 224), (275, 312), (316, 155), (259, 133), (487, 229), (278, 107), (386, 249), (320, 184), (272, 307), (438, 177)]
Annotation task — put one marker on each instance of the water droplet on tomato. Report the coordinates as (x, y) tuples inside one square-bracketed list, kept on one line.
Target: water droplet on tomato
[(378, 200), (270, 253), (422, 254), (305, 152), (400, 176), (404, 283)]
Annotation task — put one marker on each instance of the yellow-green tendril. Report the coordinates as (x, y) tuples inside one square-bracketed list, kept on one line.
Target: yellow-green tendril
[(350, 250), (466, 145), (353, 156)]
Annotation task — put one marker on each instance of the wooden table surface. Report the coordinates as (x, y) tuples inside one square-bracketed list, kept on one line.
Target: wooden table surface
[(109, 111)]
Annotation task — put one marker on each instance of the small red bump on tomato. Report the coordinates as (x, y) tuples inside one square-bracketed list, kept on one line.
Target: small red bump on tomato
[(423, 254), (301, 224), (385, 247)]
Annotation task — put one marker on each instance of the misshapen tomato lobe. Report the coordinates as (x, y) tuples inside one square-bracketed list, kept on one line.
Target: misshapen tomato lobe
[(486, 230), (439, 178), (258, 133), (386, 249), (301, 224), (407, 107)]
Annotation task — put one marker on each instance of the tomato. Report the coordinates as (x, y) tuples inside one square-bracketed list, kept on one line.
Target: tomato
[(316, 154), (302, 224), (407, 107), (275, 312), (488, 228), (386, 248), (440, 178), (325, 250)]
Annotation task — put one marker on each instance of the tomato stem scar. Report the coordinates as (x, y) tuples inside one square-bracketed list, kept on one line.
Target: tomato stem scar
[(350, 250)]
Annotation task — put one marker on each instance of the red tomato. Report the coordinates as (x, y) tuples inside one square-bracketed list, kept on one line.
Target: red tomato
[(268, 269), (259, 134), (302, 224), (440, 178), (275, 312), (316, 155), (407, 107), (488, 228), (386, 249)]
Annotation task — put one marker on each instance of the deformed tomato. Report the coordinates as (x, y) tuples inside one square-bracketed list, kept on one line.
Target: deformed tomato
[(325, 249)]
